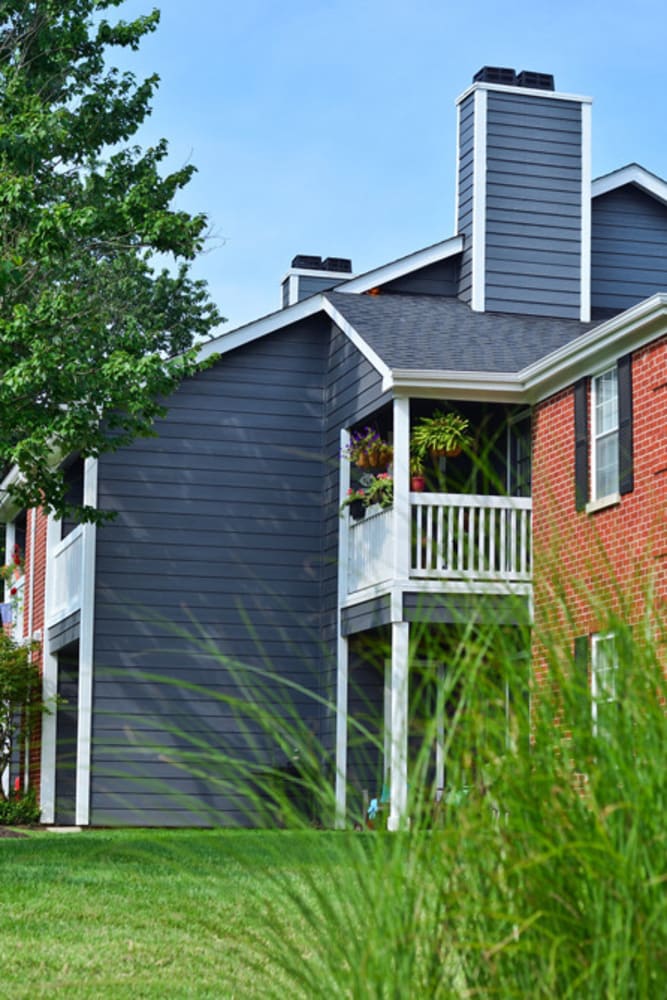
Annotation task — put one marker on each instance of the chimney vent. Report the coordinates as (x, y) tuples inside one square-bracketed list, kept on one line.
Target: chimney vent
[(340, 264), (495, 74), (535, 81), (308, 262)]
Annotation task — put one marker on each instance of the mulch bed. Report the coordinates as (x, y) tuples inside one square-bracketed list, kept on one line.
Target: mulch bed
[(6, 832)]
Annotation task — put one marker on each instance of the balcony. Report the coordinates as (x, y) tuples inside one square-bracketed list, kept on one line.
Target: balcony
[(65, 576), (453, 537)]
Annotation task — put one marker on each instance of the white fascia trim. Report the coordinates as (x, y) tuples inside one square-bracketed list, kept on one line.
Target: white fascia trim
[(358, 341), (305, 272), (633, 173), (478, 290), (261, 327), (553, 95), (586, 209), (404, 265), (489, 386), (598, 348)]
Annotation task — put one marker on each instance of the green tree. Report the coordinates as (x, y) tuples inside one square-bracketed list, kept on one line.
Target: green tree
[(94, 330), (20, 688)]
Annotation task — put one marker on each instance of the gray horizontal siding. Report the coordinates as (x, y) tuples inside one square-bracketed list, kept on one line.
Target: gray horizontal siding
[(64, 632), (533, 196), (310, 285), (366, 615), (459, 609), (628, 249), (214, 560), (440, 278)]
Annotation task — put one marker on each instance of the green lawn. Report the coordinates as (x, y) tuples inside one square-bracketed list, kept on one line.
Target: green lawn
[(156, 913)]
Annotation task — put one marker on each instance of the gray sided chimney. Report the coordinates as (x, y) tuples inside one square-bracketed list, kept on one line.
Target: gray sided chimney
[(523, 198), (310, 274)]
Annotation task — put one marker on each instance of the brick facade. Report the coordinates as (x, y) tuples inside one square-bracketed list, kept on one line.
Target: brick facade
[(614, 559)]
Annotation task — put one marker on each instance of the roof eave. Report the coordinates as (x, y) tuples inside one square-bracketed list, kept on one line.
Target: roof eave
[(597, 349)]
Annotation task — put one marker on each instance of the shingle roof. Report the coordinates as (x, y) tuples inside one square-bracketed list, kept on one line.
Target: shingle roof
[(432, 333)]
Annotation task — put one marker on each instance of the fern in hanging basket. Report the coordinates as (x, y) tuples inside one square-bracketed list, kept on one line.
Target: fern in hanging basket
[(441, 434)]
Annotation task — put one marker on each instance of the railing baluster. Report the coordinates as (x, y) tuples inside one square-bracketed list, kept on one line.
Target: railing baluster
[(429, 537), (440, 550), (464, 538), (493, 527)]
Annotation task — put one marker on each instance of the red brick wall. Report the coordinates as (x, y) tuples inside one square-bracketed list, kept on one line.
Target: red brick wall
[(587, 564)]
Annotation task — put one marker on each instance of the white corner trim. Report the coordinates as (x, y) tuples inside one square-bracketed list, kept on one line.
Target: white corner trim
[(586, 210), (357, 340), (47, 794), (478, 292), (86, 650), (342, 650), (633, 173), (457, 171), (404, 265)]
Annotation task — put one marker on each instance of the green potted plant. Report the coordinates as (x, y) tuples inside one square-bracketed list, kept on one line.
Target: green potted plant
[(417, 478), (381, 490), (444, 433)]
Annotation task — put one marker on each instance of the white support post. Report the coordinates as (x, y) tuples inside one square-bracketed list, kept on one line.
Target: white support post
[(47, 792), (400, 643), (86, 647), (401, 534), (342, 647), (341, 733)]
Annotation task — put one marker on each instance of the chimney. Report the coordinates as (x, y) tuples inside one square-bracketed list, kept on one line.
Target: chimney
[(523, 195), (310, 274)]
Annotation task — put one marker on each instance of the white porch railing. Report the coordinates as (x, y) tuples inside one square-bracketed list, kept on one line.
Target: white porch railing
[(458, 537), (65, 579), (370, 550), (453, 537)]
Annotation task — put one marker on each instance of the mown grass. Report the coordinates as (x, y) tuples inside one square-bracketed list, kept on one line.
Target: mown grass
[(148, 914)]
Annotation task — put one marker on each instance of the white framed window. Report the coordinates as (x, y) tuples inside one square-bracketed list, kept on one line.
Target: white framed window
[(604, 672), (604, 434)]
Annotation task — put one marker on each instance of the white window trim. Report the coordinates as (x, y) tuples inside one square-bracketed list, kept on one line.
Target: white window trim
[(608, 499), (596, 640)]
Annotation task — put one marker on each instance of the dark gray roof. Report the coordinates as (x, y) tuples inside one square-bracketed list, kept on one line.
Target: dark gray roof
[(432, 333)]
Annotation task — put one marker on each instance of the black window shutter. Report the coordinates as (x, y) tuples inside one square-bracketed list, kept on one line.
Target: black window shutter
[(625, 463), (581, 443)]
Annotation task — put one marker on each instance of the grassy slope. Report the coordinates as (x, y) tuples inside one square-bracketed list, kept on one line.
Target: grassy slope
[(149, 913)]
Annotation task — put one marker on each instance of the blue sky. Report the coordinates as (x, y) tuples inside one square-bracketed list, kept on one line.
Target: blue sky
[(328, 126)]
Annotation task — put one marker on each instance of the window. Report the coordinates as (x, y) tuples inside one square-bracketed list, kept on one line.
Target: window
[(604, 436), (604, 667), (603, 450)]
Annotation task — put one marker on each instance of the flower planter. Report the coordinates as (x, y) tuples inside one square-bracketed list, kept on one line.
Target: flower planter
[(417, 484), (357, 510)]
